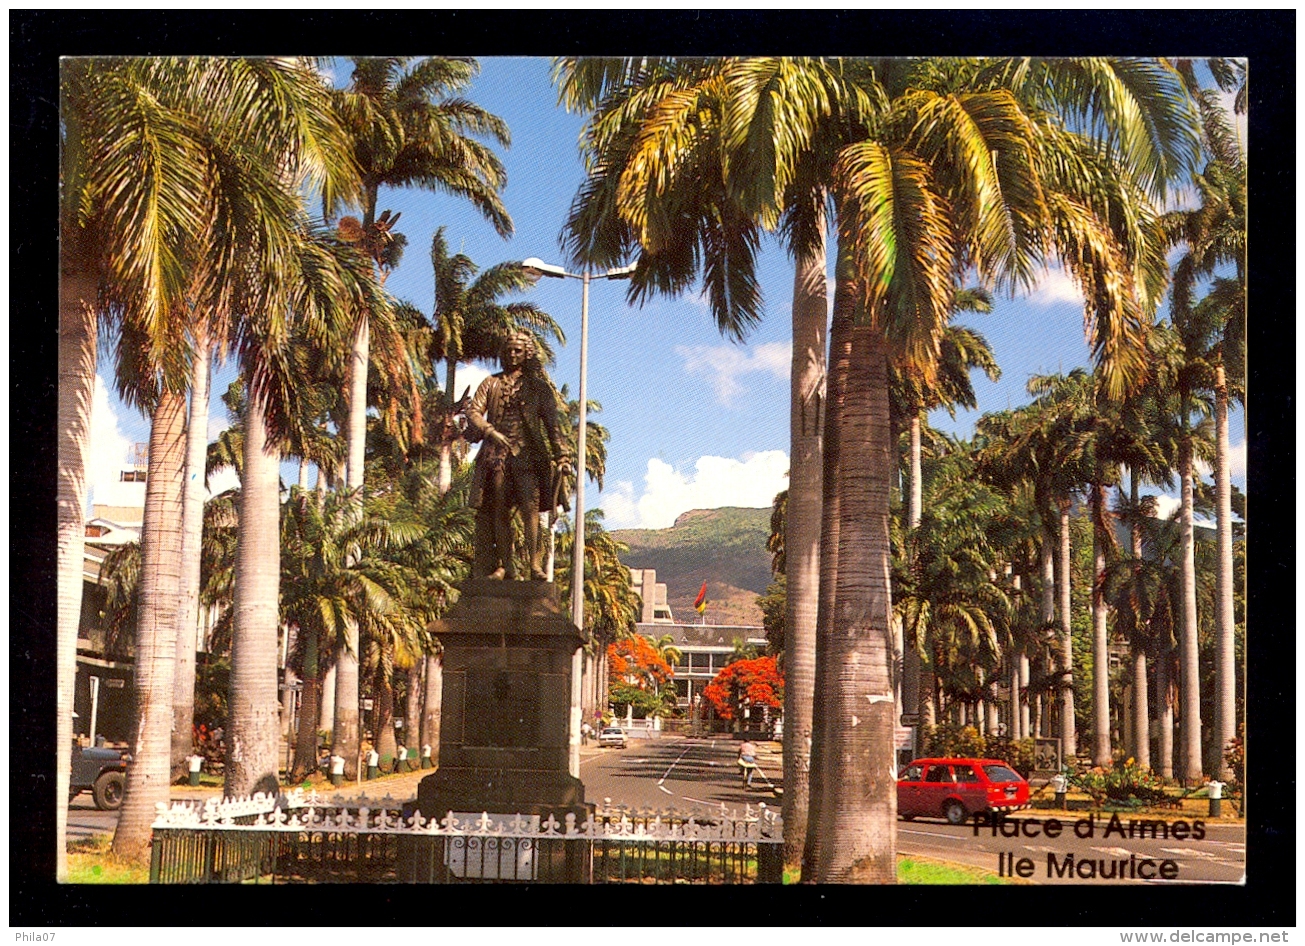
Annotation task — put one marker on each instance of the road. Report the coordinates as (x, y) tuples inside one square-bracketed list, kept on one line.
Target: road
[(1220, 857), (677, 772), (699, 775), (84, 819)]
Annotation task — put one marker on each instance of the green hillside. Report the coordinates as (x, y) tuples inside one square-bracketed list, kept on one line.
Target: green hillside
[(724, 547)]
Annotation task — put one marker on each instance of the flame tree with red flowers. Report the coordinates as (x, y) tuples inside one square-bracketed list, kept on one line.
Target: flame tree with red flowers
[(756, 682), (639, 676)]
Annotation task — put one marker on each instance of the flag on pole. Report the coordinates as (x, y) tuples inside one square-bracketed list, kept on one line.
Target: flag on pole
[(700, 602)]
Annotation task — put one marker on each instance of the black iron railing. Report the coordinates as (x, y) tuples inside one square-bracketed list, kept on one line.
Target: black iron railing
[(336, 845)]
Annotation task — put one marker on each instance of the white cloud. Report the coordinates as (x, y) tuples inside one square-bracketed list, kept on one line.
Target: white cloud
[(221, 481), (1236, 462), (1165, 505), (1237, 459), (1054, 288), (751, 481), (108, 455), (468, 376), (725, 365)]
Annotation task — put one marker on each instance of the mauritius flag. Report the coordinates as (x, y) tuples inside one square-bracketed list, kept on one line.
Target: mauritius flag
[(700, 602)]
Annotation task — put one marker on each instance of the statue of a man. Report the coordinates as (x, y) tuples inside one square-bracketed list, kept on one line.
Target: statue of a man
[(515, 412)]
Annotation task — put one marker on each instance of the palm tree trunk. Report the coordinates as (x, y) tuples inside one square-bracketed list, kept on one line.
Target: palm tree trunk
[(1164, 688), (384, 739), (1141, 698), (77, 327), (445, 481), (1141, 712), (915, 510), (1016, 718), (1101, 753), (914, 685), (1225, 686), (326, 717), (1068, 738), (1026, 699), (1189, 676), (430, 715), (802, 541), (306, 740), (345, 729), (1047, 585), (156, 629), (192, 534), (857, 820), (253, 733), (412, 712), (840, 355)]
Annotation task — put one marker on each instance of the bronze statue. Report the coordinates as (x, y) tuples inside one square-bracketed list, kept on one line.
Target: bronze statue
[(521, 455)]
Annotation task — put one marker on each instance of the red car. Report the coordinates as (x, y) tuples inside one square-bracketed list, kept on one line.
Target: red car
[(955, 789)]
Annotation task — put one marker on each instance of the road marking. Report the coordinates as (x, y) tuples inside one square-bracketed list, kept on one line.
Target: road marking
[(930, 834), (664, 789), (673, 765)]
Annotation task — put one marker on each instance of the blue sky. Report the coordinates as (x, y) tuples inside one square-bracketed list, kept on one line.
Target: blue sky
[(695, 420)]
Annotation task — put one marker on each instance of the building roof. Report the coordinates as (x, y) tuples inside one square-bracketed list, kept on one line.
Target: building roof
[(706, 635)]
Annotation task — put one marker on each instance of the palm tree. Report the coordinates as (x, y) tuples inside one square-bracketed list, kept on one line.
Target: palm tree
[(471, 323), (443, 557), (319, 589), (960, 350), (169, 190), (611, 606), (943, 591), (1093, 423), (664, 94), (1214, 235), (409, 129), (1041, 445), (1182, 371), (670, 202), (192, 525), (115, 139), (321, 284)]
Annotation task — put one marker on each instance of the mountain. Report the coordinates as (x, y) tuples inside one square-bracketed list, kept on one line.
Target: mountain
[(724, 547)]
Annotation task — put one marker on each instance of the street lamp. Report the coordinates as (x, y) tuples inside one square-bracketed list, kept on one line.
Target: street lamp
[(535, 268)]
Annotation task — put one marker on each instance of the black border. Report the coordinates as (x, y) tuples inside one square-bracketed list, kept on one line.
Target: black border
[(37, 38)]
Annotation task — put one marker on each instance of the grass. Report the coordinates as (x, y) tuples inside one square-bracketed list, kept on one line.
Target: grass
[(91, 862), (923, 870), (920, 870)]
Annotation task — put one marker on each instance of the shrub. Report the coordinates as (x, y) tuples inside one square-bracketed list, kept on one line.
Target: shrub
[(1019, 754), (1126, 784), (951, 740), (1235, 758)]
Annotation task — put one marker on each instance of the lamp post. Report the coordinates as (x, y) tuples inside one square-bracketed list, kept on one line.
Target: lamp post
[(535, 268)]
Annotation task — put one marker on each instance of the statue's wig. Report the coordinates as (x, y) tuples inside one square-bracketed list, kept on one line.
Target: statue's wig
[(527, 340)]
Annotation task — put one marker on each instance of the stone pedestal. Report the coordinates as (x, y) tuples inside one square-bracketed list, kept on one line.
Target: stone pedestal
[(504, 731)]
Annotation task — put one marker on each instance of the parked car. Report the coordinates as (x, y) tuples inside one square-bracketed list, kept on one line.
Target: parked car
[(612, 736), (957, 789), (102, 772)]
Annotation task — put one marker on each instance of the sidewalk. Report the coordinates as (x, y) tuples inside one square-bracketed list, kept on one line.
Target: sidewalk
[(402, 787)]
